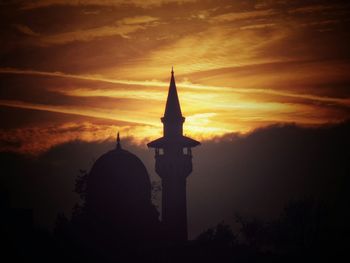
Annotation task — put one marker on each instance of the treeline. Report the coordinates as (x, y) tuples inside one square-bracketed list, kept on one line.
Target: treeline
[(306, 231)]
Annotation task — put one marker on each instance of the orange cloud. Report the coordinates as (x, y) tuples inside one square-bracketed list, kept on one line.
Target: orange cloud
[(139, 3), (36, 140), (118, 115), (234, 16), (26, 30), (160, 94), (122, 28)]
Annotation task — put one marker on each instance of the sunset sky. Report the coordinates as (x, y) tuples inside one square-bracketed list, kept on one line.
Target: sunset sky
[(83, 70)]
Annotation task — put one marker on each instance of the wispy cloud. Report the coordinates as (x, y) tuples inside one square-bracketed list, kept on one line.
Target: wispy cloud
[(137, 20), (312, 9), (156, 83), (235, 16), (26, 30), (139, 3), (257, 26), (90, 34), (119, 115), (36, 140), (122, 28)]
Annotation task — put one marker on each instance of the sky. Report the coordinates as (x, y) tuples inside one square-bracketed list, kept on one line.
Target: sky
[(264, 86), (83, 70)]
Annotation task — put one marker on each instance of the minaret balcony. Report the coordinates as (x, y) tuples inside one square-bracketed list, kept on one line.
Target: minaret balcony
[(169, 166)]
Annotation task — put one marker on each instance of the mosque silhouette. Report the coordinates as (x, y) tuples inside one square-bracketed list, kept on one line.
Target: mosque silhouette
[(115, 220), (117, 206)]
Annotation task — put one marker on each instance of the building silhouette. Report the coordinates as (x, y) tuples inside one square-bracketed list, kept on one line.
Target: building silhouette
[(173, 164), (116, 216), (119, 196)]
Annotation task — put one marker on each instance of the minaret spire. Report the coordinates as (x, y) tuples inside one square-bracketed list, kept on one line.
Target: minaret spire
[(172, 108), (118, 142)]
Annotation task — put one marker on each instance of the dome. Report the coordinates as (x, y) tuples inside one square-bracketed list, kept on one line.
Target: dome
[(119, 173), (119, 191), (118, 184), (118, 206)]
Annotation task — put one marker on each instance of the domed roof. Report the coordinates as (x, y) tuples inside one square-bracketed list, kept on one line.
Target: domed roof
[(122, 172), (118, 201), (119, 178)]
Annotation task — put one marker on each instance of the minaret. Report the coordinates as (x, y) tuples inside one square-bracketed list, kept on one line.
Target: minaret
[(173, 164)]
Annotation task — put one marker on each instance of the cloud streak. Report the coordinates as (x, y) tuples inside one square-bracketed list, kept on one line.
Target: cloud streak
[(156, 83), (117, 116), (235, 16), (122, 28), (138, 3)]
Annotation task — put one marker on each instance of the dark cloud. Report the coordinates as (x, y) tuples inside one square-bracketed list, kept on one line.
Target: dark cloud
[(253, 175), (257, 174)]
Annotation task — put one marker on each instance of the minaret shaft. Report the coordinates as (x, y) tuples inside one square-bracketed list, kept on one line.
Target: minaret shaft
[(173, 172)]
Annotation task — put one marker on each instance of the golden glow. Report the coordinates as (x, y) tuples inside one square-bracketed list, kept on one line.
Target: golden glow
[(238, 66)]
